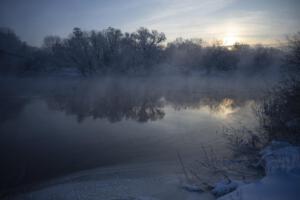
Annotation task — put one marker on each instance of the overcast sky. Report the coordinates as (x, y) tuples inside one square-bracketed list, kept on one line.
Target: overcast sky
[(251, 21)]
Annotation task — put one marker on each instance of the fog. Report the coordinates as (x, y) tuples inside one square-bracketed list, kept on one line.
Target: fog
[(49, 125), (106, 98)]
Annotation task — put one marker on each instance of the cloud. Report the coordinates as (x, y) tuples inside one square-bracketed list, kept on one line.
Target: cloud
[(208, 19), (180, 11)]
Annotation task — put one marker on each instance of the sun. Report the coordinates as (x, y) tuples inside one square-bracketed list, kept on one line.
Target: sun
[(230, 40), (231, 34)]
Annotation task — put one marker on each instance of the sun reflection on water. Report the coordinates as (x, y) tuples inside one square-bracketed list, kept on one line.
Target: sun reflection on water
[(225, 108)]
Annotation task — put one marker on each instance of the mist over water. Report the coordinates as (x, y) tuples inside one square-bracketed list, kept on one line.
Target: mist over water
[(149, 100), (56, 126)]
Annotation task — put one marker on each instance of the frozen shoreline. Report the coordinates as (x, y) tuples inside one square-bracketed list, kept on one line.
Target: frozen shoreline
[(163, 181), (149, 181), (281, 162)]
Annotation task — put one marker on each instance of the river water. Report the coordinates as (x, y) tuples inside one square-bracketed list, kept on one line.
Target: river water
[(51, 127)]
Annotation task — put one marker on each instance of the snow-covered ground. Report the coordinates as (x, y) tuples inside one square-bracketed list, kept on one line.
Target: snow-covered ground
[(281, 162), (135, 182), (161, 181)]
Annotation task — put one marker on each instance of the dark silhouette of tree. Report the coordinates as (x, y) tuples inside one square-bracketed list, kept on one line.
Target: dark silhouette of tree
[(139, 53), (12, 50), (219, 58), (186, 55), (293, 57), (280, 113)]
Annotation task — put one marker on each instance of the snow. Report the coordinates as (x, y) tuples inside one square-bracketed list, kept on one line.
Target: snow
[(280, 157), (120, 183), (282, 181), (191, 187), (269, 188), (225, 187)]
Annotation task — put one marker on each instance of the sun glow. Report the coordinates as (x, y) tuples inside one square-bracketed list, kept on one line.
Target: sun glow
[(231, 36), (230, 40), (225, 108)]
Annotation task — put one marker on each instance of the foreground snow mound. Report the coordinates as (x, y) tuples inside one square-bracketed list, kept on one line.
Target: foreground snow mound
[(225, 187), (282, 182), (269, 188), (192, 187), (280, 157)]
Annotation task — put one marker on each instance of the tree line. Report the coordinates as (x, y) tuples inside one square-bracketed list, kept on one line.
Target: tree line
[(142, 52)]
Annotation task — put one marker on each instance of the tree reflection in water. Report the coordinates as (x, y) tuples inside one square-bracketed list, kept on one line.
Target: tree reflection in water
[(142, 102)]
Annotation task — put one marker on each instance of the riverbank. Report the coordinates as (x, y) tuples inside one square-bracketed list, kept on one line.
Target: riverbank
[(152, 181), (164, 181), (281, 162)]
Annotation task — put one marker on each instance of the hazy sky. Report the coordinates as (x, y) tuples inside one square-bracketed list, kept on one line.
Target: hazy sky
[(249, 21)]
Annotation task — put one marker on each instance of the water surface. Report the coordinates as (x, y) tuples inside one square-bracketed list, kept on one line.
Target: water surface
[(51, 127)]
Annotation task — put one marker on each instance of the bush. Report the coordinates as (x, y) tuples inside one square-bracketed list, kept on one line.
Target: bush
[(280, 113)]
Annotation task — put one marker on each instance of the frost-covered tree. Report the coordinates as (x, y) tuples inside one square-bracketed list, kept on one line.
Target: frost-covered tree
[(280, 113)]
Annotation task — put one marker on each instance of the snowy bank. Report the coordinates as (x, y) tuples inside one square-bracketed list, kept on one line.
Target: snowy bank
[(129, 182), (281, 162)]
